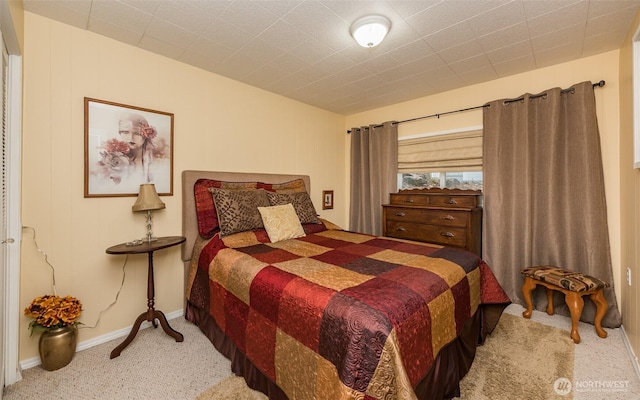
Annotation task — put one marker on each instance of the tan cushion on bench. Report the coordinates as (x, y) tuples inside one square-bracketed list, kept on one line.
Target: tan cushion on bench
[(570, 280)]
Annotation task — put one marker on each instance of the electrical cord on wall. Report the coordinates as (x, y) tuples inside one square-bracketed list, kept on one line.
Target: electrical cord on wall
[(124, 264), (53, 277), (46, 259)]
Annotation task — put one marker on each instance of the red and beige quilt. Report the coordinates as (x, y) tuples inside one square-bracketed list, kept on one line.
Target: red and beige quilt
[(337, 314)]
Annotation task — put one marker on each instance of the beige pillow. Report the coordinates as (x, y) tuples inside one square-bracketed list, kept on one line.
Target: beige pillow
[(281, 222)]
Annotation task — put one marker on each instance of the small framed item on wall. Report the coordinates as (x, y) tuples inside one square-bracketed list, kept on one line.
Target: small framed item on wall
[(125, 146), (327, 199)]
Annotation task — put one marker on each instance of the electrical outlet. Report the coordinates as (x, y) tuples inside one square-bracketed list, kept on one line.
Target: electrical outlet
[(629, 276)]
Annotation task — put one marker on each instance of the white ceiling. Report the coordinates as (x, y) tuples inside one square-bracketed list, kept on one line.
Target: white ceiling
[(302, 49)]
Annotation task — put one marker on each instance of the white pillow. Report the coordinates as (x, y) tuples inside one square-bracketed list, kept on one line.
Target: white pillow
[(281, 222)]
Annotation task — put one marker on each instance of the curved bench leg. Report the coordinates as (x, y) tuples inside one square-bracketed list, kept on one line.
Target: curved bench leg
[(550, 309), (601, 310), (527, 287), (575, 303)]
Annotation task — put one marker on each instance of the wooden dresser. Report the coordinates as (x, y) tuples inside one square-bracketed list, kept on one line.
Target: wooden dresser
[(447, 217)]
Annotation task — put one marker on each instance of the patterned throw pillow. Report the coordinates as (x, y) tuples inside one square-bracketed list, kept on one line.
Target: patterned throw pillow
[(205, 208), (294, 186), (281, 222), (238, 209), (301, 203)]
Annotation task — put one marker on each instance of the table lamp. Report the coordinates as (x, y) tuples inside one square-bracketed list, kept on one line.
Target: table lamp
[(148, 200)]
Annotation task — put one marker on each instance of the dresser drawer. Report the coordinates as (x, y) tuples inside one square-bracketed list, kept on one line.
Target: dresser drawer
[(439, 200), (399, 199), (428, 216), (450, 236), (453, 201)]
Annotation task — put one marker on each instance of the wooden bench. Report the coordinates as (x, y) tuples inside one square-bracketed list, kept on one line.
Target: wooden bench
[(574, 285)]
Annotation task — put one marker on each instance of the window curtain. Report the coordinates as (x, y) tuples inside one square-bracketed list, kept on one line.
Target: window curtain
[(374, 174), (544, 200)]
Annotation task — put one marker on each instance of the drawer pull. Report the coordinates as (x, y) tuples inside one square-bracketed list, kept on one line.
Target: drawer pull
[(447, 234), (448, 217), (408, 200), (452, 201), (400, 214), (400, 229)]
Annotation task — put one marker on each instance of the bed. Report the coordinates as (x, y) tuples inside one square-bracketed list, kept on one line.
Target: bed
[(325, 313)]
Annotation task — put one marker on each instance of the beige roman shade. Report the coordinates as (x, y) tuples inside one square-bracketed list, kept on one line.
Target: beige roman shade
[(460, 151)]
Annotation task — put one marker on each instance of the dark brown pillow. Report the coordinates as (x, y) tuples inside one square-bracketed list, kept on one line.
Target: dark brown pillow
[(238, 209), (205, 209), (301, 203)]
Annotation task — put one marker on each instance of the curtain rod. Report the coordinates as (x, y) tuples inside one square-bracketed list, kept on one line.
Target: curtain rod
[(598, 84)]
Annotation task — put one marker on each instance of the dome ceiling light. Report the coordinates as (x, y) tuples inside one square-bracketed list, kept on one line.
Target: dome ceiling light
[(369, 31)]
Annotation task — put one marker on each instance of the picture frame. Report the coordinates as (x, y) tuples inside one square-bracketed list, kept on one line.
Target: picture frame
[(124, 147), (327, 199)]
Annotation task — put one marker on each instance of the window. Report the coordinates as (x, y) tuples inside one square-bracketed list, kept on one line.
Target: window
[(450, 160), (449, 180)]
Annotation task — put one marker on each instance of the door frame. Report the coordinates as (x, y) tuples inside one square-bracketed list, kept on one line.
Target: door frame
[(14, 224), (11, 299)]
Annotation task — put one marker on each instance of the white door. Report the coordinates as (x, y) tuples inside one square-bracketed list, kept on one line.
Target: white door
[(10, 224)]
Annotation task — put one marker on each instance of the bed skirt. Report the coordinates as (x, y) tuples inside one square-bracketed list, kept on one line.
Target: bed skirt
[(442, 381)]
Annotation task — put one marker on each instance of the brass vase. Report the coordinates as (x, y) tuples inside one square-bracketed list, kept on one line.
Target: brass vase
[(58, 346)]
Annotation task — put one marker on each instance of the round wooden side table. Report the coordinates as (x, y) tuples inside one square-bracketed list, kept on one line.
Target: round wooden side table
[(151, 314)]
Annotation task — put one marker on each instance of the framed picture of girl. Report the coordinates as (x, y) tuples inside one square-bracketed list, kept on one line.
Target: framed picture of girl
[(125, 146)]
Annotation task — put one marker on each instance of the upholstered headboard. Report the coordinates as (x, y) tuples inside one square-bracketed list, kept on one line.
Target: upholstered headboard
[(189, 178)]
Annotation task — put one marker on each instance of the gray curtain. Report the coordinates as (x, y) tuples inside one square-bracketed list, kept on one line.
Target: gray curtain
[(544, 200), (374, 170)]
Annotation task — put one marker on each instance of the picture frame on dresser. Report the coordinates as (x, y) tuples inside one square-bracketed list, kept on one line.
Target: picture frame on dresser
[(124, 147)]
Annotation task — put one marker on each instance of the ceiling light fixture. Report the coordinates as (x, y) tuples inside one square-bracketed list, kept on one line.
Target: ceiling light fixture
[(369, 31)]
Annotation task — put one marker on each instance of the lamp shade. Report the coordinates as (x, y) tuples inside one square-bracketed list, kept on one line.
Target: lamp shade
[(148, 199), (371, 30)]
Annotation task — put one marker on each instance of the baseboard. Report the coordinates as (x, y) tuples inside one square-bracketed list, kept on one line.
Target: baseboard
[(87, 344), (634, 358)]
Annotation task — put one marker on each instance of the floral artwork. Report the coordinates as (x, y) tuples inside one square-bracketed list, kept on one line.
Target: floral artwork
[(51, 312), (126, 146)]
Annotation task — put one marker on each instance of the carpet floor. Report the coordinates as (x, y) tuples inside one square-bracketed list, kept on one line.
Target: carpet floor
[(154, 366), (518, 360)]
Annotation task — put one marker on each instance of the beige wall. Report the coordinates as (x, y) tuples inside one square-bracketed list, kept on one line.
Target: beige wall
[(220, 124), (629, 194), (603, 66), (17, 18)]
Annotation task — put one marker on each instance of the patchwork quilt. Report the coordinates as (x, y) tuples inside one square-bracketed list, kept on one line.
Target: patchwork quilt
[(338, 314)]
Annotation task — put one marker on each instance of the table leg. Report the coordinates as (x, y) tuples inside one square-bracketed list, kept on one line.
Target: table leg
[(575, 303), (601, 309), (150, 315), (134, 331), (156, 314), (527, 287), (150, 287), (165, 326)]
